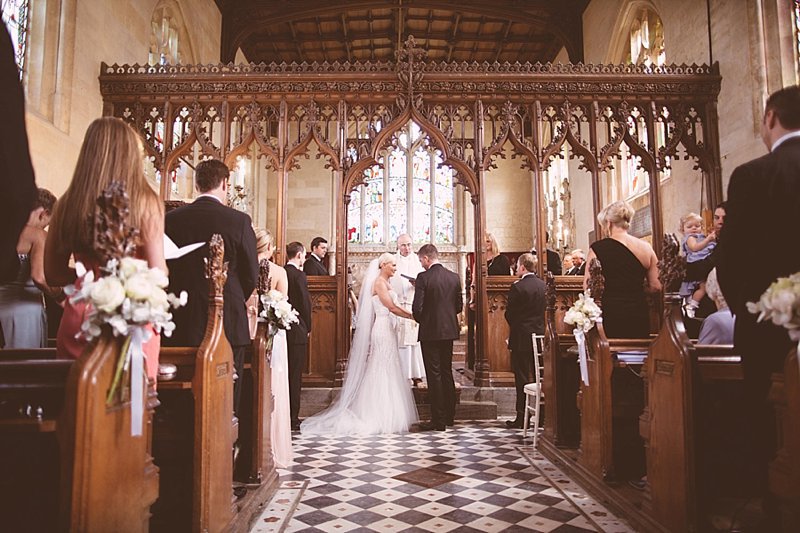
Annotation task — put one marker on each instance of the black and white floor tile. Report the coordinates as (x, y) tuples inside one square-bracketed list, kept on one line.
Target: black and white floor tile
[(478, 476)]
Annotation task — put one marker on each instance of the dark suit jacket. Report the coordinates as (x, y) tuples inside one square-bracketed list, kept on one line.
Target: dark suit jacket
[(437, 302), (525, 311), (197, 222), (576, 271), (17, 185), (301, 301), (314, 267), (761, 217), (553, 262)]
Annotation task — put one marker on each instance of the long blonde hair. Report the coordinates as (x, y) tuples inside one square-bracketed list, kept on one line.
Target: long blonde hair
[(111, 151)]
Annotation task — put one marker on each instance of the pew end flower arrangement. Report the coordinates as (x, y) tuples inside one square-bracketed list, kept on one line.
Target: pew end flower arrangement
[(780, 304), (126, 297), (278, 313), (583, 314)]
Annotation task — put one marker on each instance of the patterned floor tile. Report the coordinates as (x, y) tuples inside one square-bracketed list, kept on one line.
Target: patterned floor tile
[(478, 476)]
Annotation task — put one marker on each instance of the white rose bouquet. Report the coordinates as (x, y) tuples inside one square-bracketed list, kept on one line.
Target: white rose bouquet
[(781, 304), (128, 296), (278, 313), (583, 314)]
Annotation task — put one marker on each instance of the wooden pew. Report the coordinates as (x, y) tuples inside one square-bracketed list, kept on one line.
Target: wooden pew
[(784, 470), (110, 490), (195, 420), (683, 381), (561, 373)]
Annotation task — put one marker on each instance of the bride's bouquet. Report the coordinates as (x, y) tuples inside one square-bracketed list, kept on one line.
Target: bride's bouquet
[(583, 314), (278, 313), (128, 296)]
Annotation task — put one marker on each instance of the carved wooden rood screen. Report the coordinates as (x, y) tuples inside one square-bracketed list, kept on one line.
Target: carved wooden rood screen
[(472, 112)]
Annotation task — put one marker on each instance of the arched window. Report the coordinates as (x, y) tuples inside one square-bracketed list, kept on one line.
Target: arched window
[(646, 39), (169, 43), (408, 191), (797, 26), (15, 17)]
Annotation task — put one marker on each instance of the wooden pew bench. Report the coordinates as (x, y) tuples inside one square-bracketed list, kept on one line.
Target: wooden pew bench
[(68, 461), (784, 470), (690, 426)]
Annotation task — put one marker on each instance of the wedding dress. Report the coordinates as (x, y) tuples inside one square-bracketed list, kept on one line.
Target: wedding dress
[(375, 396)]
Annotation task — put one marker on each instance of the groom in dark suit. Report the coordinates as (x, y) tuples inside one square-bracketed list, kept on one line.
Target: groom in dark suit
[(297, 336), (525, 316), (197, 222), (761, 216), (313, 265), (437, 303)]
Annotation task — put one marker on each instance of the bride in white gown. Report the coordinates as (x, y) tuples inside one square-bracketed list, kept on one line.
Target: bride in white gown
[(375, 396)]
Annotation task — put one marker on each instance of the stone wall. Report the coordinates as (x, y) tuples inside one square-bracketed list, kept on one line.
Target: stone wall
[(69, 40)]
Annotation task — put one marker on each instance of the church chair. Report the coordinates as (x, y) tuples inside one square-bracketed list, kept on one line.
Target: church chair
[(533, 391)]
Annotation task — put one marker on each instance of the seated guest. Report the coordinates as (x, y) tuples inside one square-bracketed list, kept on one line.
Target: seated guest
[(578, 267), (22, 315), (628, 263), (111, 151), (566, 263), (717, 327), (497, 263)]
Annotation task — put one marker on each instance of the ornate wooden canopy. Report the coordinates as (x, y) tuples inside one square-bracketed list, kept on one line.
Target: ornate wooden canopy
[(471, 112), (373, 30)]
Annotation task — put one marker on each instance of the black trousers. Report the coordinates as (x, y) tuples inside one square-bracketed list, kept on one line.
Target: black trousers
[(238, 364), (297, 361), (438, 359), (521, 363)]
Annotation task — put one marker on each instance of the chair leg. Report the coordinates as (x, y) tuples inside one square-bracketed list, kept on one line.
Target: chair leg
[(535, 427), (525, 416)]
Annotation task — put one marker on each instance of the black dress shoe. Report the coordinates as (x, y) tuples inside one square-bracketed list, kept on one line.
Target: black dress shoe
[(296, 426), (430, 426), (450, 423), (514, 424)]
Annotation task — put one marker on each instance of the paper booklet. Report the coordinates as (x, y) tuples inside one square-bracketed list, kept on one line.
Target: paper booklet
[(171, 250)]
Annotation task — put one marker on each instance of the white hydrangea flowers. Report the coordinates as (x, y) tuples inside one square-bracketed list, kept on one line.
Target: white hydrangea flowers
[(780, 303), (129, 295)]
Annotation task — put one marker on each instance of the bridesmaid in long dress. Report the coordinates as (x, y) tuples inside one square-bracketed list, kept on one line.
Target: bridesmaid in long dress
[(281, 427), (630, 267), (111, 151), (22, 315)]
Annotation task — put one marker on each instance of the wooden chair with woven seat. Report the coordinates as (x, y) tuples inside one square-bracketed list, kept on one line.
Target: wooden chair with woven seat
[(533, 391)]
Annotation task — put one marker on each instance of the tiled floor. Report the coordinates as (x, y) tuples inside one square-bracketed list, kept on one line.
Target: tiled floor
[(478, 476)]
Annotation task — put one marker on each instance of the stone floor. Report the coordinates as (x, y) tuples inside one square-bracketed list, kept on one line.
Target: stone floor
[(478, 476)]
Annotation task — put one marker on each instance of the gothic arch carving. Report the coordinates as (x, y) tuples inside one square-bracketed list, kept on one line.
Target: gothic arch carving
[(313, 132), (510, 132)]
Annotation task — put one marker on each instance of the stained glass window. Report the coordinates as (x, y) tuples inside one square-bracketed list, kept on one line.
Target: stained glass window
[(15, 17), (409, 191), (797, 26), (647, 39)]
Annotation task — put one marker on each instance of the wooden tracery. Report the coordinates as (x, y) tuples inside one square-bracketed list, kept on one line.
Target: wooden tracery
[(350, 111)]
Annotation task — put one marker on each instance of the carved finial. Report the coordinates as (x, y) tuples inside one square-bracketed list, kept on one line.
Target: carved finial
[(114, 237), (672, 266), (550, 290), (264, 280), (408, 73), (597, 283), (216, 269)]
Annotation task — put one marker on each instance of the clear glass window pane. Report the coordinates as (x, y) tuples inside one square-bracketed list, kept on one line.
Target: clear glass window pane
[(15, 17), (354, 217)]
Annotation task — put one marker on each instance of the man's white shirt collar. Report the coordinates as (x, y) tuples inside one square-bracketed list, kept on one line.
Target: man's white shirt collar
[(527, 274), (318, 257), (784, 138), (207, 195)]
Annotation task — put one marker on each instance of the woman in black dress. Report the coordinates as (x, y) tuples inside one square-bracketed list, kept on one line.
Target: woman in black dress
[(630, 267), (497, 263)]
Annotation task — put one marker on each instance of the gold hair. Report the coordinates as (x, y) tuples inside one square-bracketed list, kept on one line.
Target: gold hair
[(111, 151)]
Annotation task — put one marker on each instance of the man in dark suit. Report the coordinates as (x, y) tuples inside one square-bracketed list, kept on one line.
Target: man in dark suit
[(525, 316), (197, 222), (17, 184), (297, 337), (437, 303), (761, 218), (313, 265), (578, 263)]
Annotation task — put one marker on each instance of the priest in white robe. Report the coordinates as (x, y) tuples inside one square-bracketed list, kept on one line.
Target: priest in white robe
[(410, 353)]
